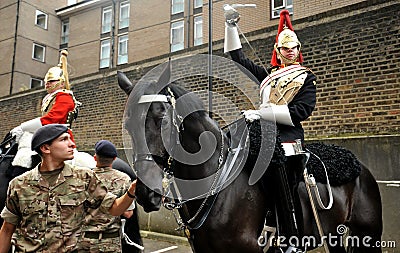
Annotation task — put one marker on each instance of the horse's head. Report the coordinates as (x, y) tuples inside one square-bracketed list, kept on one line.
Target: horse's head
[(142, 121), (167, 124)]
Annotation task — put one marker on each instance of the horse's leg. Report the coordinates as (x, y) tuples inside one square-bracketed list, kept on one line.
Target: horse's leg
[(330, 219), (366, 217)]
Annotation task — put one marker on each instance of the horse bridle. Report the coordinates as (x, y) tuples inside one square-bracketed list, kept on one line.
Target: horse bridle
[(167, 163)]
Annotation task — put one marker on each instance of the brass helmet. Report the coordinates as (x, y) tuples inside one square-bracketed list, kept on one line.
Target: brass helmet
[(288, 38), (54, 74), (59, 72)]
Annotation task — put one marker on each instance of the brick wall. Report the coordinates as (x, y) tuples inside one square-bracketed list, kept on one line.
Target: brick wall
[(355, 59)]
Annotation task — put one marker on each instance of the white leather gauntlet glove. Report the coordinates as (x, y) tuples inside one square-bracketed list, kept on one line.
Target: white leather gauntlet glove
[(251, 115), (232, 40), (17, 132)]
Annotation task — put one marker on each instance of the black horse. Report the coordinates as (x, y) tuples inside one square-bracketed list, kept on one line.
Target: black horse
[(8, 150), (224, 215)]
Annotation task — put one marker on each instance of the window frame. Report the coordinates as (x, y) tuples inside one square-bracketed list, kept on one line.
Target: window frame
[(122, 44), (181, 43), (286, 5), (65, 33), (106, 27), (37, 19), (102, 56), (177, 4), (35, 45), (197, 3), (196, 38), (122, 5), (35, 79)]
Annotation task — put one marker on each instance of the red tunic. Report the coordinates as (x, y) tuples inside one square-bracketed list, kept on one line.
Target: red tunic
[(56, 107)]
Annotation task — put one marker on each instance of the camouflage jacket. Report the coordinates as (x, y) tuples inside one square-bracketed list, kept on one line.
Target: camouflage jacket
[(50, 218), (96, 221)]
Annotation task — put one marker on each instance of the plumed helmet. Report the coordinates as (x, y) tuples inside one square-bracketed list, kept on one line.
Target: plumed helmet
[(59, 72), (288, 38), (54, 74)]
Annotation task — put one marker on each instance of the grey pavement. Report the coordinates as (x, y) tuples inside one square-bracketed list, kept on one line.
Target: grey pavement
[(158, 243)]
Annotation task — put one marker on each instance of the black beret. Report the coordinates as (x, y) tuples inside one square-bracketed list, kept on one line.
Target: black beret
[(46, 134), (105, 148)]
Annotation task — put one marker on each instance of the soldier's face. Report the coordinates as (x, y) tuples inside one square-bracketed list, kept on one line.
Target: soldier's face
[(62, 148), (290, 53), (53, 85)]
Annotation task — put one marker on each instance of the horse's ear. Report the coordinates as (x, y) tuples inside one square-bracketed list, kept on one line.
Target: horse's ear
[(124, 83), (165, 75)]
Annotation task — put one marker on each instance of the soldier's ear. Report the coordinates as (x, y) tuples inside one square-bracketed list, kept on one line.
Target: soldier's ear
[(45, 148)]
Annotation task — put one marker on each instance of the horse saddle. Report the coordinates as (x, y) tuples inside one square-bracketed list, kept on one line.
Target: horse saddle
[(342, 165)]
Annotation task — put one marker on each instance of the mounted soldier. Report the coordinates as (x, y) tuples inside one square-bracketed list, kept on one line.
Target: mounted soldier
[(288, 97), (58, 106)]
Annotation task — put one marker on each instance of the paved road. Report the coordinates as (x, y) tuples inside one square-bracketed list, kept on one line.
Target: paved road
[(157, 245)]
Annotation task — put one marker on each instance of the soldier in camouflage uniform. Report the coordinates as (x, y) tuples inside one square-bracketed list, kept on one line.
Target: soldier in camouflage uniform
[(47, 205), (102, 231)]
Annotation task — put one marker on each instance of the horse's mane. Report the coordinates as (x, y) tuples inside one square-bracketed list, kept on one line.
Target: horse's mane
[(187, 102)]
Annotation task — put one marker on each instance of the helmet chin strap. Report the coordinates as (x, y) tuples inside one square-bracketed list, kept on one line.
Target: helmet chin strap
[(284, 60), (53, 87)]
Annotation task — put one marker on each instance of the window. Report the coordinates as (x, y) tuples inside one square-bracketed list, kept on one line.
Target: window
[(64, 32), (198, 31), (198, 3), (278, 5), (38, 52), (123, 49), (177, 6), (106, 20), (124, 15), (36, 83), (41, 19), (105, 54), (177, 33)]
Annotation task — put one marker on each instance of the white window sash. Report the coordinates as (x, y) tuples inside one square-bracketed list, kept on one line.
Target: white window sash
[(64, 32), (105, 54), (123, 49), (41, 16), (198, 3), (36, 55), (124, 15), (177, 36), (106, 19), (177, 6), (198, 30)]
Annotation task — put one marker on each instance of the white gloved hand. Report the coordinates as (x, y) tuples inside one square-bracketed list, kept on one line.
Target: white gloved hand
[(17, 132), (232, 16), (251, 115)]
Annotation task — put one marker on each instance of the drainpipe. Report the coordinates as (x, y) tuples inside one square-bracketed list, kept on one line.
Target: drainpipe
[(188, 25), (113, 36), (15, 48)]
